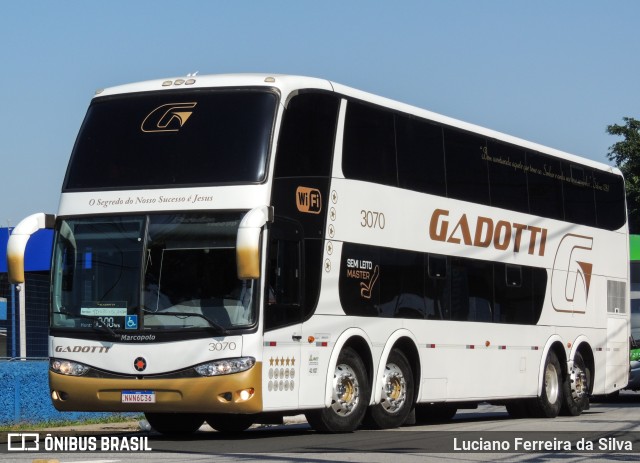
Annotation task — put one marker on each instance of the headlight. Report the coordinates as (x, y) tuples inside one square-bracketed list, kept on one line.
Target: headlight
[(67, 367), (225, 367)]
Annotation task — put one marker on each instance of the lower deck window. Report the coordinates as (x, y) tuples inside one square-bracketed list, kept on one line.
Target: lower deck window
[(383, 282)]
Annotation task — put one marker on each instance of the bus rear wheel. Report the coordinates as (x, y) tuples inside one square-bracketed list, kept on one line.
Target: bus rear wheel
[(550, 401), (230, 423), (397, 394), (176, 424), (577, 387), (350, 396)]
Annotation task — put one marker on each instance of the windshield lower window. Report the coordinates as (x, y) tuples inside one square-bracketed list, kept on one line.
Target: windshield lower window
[(150, 273)]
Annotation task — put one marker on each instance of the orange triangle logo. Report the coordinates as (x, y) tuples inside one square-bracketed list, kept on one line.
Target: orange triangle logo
[(586, 271)]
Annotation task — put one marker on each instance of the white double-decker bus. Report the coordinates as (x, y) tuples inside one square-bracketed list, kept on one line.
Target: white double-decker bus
[(238, 248)]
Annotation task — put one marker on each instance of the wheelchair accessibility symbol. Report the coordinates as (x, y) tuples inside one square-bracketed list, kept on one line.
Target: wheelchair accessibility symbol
[(131, 322)]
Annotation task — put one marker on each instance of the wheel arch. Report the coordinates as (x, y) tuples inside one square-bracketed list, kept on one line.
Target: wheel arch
[(357, 340), (554, 344)]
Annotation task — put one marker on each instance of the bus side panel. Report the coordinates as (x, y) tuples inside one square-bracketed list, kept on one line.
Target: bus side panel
[(617, 353)]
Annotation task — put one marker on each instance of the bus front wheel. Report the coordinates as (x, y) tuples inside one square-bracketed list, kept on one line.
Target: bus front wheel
[(397, 393), (177, 424), (350, 396)]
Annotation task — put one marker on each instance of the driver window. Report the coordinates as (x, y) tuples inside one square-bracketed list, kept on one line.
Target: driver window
[(283, 299), (284, 272)]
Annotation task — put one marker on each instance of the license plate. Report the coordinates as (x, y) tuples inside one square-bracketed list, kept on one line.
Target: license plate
[(138, 397)]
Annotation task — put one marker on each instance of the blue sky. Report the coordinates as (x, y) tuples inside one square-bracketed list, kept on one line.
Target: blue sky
[(553, 72)]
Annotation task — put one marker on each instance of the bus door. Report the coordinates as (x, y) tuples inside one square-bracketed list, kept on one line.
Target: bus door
[(283, 309)]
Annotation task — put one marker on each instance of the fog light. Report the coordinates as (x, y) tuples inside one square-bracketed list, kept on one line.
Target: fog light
[(246, 394), (59, 395)]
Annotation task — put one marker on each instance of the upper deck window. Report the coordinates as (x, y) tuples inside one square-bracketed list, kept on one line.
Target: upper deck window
[(171, 139)]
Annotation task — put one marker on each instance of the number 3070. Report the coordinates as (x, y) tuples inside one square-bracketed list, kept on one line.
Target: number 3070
[(222, 346), (372, 219)]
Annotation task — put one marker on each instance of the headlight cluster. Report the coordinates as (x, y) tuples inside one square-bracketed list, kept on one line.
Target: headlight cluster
[(225, 367), (67, 367)]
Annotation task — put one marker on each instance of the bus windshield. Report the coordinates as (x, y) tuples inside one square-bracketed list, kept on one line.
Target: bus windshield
[(170, 139), (149, 273)]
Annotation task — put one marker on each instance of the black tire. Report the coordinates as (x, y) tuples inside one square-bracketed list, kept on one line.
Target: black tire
[(397, 394), (435, 413), (351, 394), (230, 424), (175, 424), (577, 387), (550, 401)]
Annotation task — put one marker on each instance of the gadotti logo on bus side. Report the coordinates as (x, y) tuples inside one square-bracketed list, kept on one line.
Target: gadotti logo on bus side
[(168, 117), (484, 232), (571, 274)]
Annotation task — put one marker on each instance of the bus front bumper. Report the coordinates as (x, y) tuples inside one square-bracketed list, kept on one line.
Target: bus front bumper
[(234, 393)]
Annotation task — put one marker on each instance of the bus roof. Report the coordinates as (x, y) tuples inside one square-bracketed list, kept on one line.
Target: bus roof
[(289, 83)]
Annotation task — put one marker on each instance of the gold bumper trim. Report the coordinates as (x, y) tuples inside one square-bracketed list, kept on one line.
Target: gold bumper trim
[(216, 394)]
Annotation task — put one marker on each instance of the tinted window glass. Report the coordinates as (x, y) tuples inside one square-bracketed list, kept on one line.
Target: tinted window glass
[(507, 176), (284, 274), (173, 138), (381, 147), (514, 302), (579, 199), (471, 290), (420, 156), (610, 204), (369, 145), (544, 177), (411, 301), (283, 293), (437, 287), (467, 175), (539, 284), (305, 146), (313, 276), (385, 282), (389, 281)]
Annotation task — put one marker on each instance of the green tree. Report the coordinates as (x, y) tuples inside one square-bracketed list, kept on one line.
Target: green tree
[(626, 155)]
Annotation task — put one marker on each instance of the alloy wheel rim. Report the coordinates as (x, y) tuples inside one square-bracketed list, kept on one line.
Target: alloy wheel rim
[(394, 391), (551, 384), (346, 390)]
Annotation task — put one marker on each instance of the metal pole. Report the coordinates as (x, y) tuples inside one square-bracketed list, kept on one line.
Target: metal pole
[(23, 320), (13, 321), (13, 307)]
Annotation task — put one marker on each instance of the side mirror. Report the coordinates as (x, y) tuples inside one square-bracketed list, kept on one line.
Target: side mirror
[(248, 242), (17, 243)]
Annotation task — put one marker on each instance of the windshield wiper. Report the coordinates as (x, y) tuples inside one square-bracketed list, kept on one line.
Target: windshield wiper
[(212, 324), (97, 322)]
